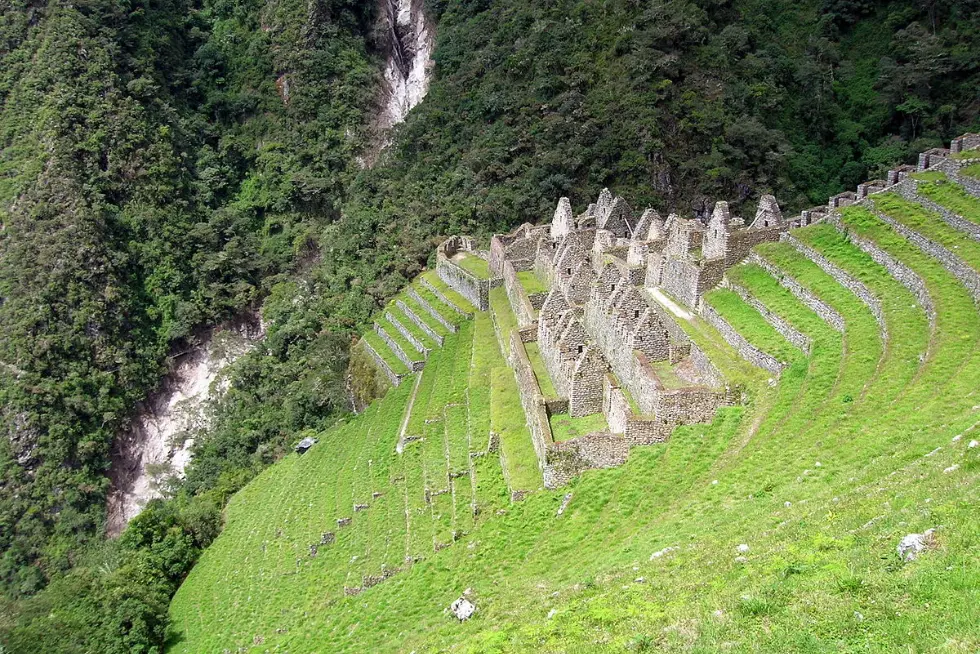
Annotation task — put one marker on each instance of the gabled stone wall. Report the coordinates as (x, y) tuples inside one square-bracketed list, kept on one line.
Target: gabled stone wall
[(471, 287)]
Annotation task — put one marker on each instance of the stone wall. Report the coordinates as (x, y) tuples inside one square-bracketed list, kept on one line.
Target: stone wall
[(407, 335), (708, 372), (787, 331), (746, 350), (420, 323), (428, 308), (844, 279), (741, 242), (519, 300), (905, 275), (570, 458), (615, 406), (475, 290), (827, 314), (392, 376), (532, 401), (413, 364), (967, 275)]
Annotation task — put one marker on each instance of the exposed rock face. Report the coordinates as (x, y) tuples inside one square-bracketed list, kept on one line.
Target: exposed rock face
[(408, 44), (157, 445)]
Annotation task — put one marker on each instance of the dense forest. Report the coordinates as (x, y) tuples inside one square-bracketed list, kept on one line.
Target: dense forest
[(166, 164)]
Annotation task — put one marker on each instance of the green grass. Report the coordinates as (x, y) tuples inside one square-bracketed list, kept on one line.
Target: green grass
[(952, 196), (668, 375), (411, 327), (506, 413), (930, 225), (972, 170), (821, 573), (531, 282), (733, 367), (440, 307), (967, 154), (382, 349), (424, 315), (750, 324), (540, 371), (565, 427), (410, 350), (929, 176), (454, 297), (503, 315), (473, 264)]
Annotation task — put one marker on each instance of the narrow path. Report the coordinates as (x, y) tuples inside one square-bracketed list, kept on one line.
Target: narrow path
[(400, 447)]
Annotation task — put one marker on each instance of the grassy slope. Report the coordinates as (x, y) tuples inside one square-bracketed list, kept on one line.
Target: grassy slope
[(476, 265), (820, 574), (952, 196), (930, 225)]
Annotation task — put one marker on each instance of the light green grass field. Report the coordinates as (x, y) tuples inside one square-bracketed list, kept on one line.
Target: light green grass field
[(474, 264), (540, 371), (564, 427), (947, 193), (859, 443), (531, 283)]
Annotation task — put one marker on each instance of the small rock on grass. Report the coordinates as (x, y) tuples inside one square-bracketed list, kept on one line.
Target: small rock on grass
[(912, 544), (743, 548), (462, 608)]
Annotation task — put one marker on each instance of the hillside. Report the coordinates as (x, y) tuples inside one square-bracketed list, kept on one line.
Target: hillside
[(169, 168), (773, 527)]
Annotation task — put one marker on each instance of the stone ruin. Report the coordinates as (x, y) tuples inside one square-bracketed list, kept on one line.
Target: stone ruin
[(618, 281)]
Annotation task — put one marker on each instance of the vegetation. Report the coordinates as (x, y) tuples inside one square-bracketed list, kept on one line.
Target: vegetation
[(166, 166), (476, 265), (545, 384), (530, 282), (952, 196), (802, 475), (565, 427), (930, 225)]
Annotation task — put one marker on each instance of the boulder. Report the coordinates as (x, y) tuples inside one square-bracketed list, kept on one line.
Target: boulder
[(462, 608)]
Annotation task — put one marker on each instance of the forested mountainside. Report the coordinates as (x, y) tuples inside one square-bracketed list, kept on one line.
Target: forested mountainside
[(167, 164)]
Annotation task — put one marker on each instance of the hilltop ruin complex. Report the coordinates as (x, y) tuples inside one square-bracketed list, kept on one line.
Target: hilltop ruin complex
[(612, 290)]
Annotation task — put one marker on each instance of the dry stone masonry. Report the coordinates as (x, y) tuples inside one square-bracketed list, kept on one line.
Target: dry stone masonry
[(620, 283)]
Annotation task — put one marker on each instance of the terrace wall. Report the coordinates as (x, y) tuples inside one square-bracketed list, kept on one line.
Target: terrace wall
[(519, 300), (392, 376), (746, 350)]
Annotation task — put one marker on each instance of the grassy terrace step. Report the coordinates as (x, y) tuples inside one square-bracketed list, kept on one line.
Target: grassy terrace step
[(454, 297), (956, 321), (448, 313), (506, 413), (411, 327), (540, 371), (531, 282), (945, 192), (410, 350), (424, 315), (832, 373), (765, 288), (862, 332), (751, 325), (565, 427), (474, 264), (907, 323), (396, 364), (930, 225), (971, 171), (736, 370)]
